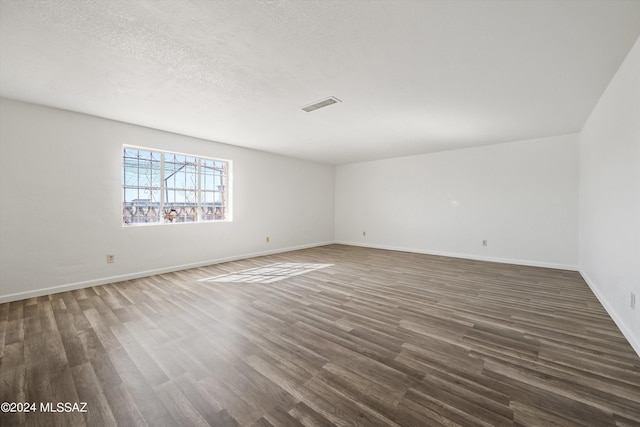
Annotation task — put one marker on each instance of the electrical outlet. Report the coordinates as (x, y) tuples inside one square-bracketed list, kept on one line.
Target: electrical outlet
[(268, 239), (633, 301), (484, 243), (364, 234), (111, 258)]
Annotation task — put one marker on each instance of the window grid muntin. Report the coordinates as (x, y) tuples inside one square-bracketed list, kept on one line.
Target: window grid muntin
[(181, 187)]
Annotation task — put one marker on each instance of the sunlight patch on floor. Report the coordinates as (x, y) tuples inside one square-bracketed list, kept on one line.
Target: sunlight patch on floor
[(268, 274)]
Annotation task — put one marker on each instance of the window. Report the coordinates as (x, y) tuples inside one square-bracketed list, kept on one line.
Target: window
[(162, 187)]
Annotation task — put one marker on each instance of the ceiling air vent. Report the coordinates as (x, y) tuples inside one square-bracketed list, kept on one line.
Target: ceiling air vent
[(325, 102)]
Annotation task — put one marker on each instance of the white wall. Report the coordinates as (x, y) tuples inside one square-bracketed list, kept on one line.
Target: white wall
[(610, 197), (521, 196), (60, 204)]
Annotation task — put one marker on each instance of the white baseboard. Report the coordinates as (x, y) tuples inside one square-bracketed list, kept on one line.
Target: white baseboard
[(626, 331), (114, 279), (465, 256)]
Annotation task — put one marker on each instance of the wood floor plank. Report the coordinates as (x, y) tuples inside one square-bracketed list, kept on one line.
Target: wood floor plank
[(376, 338), (308, 417)]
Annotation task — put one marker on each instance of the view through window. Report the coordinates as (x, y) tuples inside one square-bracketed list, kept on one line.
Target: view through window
[(163, 187)]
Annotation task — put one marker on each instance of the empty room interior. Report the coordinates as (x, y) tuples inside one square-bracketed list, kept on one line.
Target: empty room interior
[(318, 213)]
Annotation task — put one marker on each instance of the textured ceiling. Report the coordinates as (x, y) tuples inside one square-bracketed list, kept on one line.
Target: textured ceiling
[(414, 76)]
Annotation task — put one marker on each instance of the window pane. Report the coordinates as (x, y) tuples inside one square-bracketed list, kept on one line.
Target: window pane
[(140, 169), (181, 183)]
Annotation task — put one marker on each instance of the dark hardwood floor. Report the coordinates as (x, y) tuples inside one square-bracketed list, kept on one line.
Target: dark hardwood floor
[(378, 338)]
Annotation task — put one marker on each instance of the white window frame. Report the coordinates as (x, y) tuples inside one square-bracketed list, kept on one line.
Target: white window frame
[(164, 206)]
